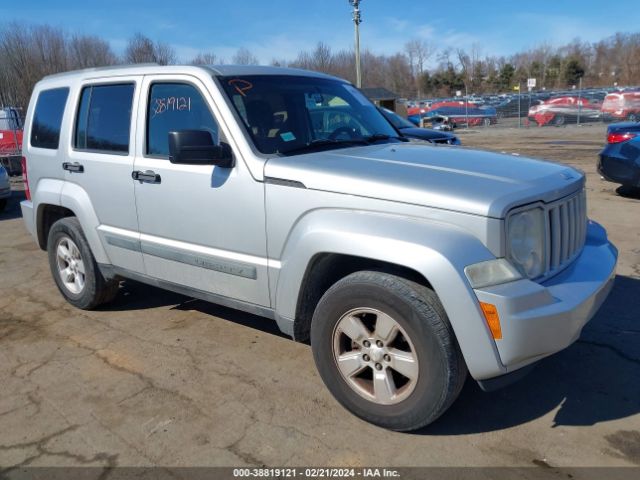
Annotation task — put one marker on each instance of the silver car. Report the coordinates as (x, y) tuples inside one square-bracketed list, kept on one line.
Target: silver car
[(285, 193)]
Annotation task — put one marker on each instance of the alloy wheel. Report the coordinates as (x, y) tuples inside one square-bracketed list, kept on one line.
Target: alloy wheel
[(375, 356)]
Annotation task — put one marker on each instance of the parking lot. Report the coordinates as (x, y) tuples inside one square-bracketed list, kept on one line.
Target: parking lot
[(161, 379)]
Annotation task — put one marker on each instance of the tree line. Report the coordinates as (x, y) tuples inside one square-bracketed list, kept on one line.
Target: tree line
[(30, 52)]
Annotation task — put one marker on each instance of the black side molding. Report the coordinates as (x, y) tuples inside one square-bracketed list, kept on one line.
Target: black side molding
[(284, 183)]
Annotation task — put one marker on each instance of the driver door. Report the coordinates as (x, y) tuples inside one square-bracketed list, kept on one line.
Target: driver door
[(201, 226)]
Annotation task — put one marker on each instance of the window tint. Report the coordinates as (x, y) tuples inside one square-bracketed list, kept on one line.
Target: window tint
[(47, 119), (174, 107), (104, 118)]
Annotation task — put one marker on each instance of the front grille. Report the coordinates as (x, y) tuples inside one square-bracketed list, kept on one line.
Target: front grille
[(566, 231)]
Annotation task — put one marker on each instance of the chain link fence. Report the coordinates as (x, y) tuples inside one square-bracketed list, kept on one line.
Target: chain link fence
[(533, 108)]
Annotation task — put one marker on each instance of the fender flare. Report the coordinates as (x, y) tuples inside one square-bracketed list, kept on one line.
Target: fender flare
[(73, 197), (436, 250)]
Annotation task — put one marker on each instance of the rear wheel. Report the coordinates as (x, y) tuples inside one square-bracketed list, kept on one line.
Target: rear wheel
[(3, 204), (74, 268), (633, 117), (486, 122), (558, 120), (385, 349)]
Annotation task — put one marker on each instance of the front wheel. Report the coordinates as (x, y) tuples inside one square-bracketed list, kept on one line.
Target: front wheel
[(384, 347), (74, 268)]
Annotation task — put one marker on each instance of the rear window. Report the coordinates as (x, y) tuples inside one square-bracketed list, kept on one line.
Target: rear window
[(104, 118), (47, 119)]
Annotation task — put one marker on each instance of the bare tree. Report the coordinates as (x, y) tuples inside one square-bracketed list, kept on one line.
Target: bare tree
[(141, 49), (419, 52), (165, 54), (204, 59), (244, 57), (90, 51), (279, 62), (30, 52)]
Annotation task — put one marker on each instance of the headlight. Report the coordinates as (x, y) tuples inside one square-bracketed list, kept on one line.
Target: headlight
[(526, 242)]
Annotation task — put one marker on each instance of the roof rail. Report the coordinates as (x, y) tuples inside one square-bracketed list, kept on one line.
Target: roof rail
[(100, 69)]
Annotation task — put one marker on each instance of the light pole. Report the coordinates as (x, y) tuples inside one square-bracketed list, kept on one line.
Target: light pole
[(357, 20)]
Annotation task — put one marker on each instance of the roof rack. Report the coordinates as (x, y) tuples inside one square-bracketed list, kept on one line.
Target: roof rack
[(101, 69)]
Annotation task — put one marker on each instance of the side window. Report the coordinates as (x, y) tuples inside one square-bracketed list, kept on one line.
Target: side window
[(47, 118), (174, 107), (104, 118)]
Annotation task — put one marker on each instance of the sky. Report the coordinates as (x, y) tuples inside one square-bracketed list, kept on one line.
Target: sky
[(281, 28)]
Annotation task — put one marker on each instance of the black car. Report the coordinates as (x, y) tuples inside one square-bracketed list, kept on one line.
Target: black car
[(409, 130), (620, 159), (509, 107)]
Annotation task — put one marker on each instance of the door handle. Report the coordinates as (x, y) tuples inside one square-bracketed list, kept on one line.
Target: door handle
[(73, 167), (146, 177)]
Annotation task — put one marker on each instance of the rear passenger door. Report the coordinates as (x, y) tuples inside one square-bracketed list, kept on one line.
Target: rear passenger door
[(100, 161)]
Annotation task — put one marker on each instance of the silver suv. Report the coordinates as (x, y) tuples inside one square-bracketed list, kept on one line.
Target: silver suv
[(286, 193)]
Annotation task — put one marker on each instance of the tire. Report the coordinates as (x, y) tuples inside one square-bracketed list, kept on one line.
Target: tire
[(632, 117), (559, 120), (423, 334), (486, 122), (3, 204), (68, 247)]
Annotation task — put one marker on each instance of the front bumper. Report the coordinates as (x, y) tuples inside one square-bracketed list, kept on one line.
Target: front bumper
[(538, 320)]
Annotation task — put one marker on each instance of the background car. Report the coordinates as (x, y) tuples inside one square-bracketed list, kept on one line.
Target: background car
[(461, 114), (409, 130), (509, 107), (560, 110), (5, 188), (10, 139), (620, 158), (622, 106)]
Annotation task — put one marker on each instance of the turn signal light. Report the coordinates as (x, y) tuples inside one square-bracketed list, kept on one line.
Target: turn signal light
[(620, 137), (493, 319)]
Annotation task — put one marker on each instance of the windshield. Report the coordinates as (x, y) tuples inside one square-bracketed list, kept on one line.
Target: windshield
[(288, 114), (396, 120)]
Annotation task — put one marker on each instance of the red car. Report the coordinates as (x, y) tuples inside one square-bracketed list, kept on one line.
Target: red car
[(10, 139), (622, 106), (560, 110)]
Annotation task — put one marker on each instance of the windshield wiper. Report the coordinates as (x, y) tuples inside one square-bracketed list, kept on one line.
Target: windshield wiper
[(381, 136), (324, 142)]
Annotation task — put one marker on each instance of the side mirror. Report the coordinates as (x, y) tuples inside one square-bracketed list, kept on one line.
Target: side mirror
[(196, 147)]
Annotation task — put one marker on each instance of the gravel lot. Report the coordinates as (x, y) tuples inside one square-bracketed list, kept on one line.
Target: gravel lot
[(160, 379)]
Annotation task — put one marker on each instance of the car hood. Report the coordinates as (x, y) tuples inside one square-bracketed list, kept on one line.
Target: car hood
[(453, 178), (425, 133)]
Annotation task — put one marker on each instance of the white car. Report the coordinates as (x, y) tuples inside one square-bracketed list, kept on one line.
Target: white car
[(5, 188)]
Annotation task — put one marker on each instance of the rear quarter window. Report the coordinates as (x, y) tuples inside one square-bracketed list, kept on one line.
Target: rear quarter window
[(47, 118)]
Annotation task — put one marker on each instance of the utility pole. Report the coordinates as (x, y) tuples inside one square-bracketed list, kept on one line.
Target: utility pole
[(579, 100), (357, 20)]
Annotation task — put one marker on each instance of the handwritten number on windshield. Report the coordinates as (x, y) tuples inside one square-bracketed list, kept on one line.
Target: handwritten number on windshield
[(241, 86)]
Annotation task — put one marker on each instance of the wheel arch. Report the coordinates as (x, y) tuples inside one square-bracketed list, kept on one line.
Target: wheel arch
[(431, 253), (56, 199)]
